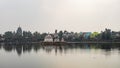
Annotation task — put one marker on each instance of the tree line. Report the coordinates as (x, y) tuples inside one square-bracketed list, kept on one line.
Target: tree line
[(27, 36)]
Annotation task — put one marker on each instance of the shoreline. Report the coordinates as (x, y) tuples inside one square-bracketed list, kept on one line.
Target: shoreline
[(89, 42)]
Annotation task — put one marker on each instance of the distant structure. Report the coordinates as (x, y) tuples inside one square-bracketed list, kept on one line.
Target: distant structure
[(56, 37), (62, 40), (53, 37), (115, 35), (85, 35), (48, 38), (19, 31)]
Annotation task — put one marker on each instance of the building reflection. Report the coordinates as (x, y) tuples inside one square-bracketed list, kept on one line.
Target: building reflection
[(61, 49)]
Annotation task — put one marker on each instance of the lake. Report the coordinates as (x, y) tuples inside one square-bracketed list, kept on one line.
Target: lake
[(60, 56)]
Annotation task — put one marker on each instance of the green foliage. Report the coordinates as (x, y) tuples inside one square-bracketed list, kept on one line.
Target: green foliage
[(60, 34), (36, 36), (94, 35), (106, 35), (43, 36), (8, 35), (27, 34)]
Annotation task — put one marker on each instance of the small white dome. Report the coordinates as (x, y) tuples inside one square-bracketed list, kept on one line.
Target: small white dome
[(48, 38)]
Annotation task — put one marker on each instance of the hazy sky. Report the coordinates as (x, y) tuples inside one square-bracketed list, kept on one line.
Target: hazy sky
[(48, 15)]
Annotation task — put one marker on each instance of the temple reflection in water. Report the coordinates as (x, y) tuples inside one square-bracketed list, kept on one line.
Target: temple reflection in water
[(61, 49)]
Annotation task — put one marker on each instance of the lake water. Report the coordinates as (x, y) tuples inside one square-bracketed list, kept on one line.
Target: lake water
[(60, 56)]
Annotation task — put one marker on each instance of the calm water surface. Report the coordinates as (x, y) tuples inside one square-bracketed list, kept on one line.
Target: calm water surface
[(62, 56)]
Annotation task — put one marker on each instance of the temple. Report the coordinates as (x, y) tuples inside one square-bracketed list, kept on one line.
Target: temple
[(53, 37)]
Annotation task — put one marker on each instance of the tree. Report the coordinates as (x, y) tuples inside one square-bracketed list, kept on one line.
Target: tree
[(94, 35), (43, 36), (106, 35), (36, 36), (8, 34), (27, 34), (60, 34)]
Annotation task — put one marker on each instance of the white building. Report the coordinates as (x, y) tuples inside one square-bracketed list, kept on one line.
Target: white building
[(48, 38), (53, 38), (56, 37)]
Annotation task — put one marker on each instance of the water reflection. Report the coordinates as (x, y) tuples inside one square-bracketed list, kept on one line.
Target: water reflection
[(61, 49)]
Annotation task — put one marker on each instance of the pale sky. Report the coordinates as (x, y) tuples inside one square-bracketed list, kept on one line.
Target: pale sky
[(48, 15)]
